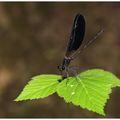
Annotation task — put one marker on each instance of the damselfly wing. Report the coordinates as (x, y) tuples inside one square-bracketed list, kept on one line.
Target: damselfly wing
[(77, 35)]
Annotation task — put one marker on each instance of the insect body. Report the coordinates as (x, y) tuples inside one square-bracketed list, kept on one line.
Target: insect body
[(76, 38)]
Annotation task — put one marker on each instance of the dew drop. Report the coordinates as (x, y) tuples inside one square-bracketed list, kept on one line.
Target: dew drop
[(71, 85), (73, 93)]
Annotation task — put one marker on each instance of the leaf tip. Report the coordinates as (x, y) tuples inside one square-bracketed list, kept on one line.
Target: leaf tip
[(17, 99)]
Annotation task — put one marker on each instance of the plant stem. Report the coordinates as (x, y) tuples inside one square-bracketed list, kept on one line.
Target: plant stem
[(68, 111)]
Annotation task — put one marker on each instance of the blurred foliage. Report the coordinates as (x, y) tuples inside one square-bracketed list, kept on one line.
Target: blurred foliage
[(33, 37)]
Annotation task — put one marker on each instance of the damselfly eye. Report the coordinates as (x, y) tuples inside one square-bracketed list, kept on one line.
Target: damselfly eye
[(63, 67)]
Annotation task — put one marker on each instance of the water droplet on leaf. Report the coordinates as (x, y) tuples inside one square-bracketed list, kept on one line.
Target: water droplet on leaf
[(73, 93), (71, 85)]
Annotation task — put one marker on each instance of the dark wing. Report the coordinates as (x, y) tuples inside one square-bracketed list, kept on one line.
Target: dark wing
[(77, 34)]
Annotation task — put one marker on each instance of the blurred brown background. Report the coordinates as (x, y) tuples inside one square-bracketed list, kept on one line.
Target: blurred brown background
[(33, 37)]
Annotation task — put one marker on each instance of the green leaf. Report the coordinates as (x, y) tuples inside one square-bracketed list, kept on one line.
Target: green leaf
[(39, 87), (90, 89)]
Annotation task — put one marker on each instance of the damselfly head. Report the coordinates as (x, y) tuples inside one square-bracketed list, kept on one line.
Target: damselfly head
[(61, 67)]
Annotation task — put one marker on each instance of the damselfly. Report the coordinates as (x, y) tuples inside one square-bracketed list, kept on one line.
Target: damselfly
[(75, 46)]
